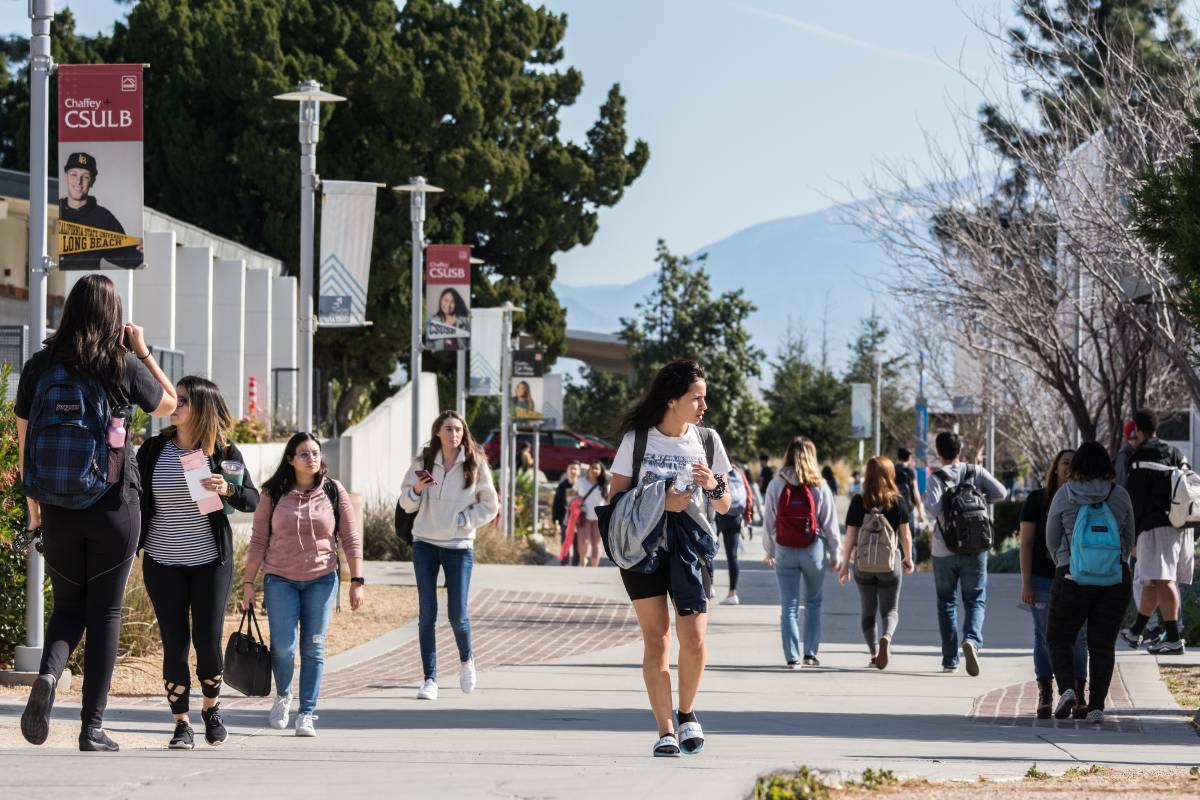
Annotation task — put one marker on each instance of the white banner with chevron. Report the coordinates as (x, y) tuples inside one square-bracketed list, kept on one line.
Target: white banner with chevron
[(347, 229), (487, 329)]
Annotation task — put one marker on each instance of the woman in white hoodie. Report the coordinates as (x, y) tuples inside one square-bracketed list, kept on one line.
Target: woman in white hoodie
[(801, 538), (449, 486)]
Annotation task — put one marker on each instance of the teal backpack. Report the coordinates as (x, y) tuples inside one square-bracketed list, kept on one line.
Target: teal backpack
[(1096, 546)]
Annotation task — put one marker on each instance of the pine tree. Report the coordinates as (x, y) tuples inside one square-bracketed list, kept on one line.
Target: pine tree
[(805, 399)]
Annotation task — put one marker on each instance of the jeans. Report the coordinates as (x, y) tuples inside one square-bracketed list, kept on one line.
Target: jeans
[(879, 593), (1103, 609), (791, 565), (457, 565), (1042, 668), (307, 604), (731, 535), (949, 574)]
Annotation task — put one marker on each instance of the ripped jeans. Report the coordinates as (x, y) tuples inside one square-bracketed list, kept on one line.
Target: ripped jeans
[(306, 605)]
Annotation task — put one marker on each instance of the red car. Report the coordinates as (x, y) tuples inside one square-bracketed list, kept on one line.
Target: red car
[(558, 448)]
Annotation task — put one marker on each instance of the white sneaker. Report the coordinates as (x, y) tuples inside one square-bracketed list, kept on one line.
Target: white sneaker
[(305, 726), (466, 677), (279, 712), (428, 690), (731, 600)]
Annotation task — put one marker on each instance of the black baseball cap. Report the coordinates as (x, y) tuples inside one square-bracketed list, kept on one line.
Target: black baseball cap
[(81, 161)]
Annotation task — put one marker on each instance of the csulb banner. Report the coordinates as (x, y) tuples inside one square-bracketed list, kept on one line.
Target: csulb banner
[(100, 132), (347, 230)]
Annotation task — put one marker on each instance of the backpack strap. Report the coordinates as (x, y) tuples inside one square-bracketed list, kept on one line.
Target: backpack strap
[(640, 437), (708, 438), (331, 491)]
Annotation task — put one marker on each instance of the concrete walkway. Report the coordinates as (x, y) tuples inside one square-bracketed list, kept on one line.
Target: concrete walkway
[(561, 710)]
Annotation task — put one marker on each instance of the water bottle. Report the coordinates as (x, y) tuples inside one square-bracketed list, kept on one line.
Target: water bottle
[(116, 447)]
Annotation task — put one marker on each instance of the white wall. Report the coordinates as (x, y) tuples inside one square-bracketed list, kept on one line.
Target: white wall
[(373, 455), (122, 278), (258, 338), (154, 290), (193, 308), (262, 459), (229, 332), (284, 344)]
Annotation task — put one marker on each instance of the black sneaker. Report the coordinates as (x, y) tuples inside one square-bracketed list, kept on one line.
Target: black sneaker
[(1167, 648), (214, 729), (811, 661), (184, 738), (35, 721), (96, 740)]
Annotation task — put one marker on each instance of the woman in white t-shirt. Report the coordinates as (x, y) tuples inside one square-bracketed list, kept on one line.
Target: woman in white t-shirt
[(669, 413), (593, 492)]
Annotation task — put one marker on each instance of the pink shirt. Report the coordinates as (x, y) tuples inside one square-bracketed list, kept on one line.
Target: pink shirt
[(301, 541)]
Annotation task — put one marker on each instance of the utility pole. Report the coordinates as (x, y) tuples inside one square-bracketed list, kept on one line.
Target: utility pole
[(878, 404)]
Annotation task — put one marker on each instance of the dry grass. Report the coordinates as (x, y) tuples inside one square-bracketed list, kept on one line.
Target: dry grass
[(492, 548), (386, 608), (1184, 683)]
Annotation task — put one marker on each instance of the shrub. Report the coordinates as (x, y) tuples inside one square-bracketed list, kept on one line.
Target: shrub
[(380, 542), (1008, 559), (1007, 522), (249, 430)]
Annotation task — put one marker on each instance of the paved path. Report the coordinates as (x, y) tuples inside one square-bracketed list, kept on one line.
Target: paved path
[(561, 712)]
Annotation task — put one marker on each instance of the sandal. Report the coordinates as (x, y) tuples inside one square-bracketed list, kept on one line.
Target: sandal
[(691, 737), (667, 746)]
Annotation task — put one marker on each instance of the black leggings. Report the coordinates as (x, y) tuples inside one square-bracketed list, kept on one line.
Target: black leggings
[(1103, 609), (88, 556), (731, 537), (204, 591)]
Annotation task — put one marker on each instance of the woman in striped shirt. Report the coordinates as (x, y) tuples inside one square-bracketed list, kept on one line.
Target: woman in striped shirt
[(188, 561)]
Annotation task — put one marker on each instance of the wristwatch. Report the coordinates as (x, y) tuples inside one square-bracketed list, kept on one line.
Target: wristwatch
[(357, 581)]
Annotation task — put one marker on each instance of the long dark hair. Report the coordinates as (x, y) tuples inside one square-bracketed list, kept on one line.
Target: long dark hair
[(1051, 484), (605, 477), (1091, 462), (284, 479), (460, 305), (88, 338), (672, 381), (210, 417), (472, 454)]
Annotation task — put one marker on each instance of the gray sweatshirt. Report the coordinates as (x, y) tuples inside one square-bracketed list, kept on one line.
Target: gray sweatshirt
[(826, 510), (992, 489), (1060, 520)]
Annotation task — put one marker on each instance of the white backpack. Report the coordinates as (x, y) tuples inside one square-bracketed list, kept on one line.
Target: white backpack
[(1185, 492)]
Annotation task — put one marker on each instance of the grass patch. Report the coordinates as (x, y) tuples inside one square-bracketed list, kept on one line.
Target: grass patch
[(1076, 772), (1035, 774), (803, 784), (1184, 683), (873, 779)]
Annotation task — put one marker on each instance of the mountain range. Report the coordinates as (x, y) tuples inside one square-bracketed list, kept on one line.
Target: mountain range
[(812, 271)]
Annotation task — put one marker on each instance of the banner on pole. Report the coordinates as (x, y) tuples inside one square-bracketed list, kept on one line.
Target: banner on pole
[(347, 230), (100, 132), (528, 398), (860, 411), (447, 295), (552, 400), (487, 340)]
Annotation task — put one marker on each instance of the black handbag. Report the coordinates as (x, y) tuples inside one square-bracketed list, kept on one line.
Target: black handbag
[(404, 523), (248, 660)]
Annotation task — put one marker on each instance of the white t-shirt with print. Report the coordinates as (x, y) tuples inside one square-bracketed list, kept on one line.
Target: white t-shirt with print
[(666, 456), (589, 498)]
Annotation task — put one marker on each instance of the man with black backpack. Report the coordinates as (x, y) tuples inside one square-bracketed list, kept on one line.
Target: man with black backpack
[(957, 496)]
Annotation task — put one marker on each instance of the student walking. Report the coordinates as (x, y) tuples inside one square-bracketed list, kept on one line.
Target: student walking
[(957, 496), (801, 538), (73, 402), (449, 486), (729, 526), (1037, 578), (765, 472), (295, 542), (664, 448), (879, 542), (563, 494), (1165, 554), (1090, 529), (906, 482), (593, 491), (188, 560)]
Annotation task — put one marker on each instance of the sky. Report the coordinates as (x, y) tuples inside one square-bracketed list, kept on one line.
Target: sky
[(753, 109)]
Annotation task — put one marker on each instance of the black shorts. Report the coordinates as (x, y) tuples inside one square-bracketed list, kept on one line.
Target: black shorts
[(644, 585)]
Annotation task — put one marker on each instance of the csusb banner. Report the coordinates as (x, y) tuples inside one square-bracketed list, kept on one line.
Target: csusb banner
[(100, 166)]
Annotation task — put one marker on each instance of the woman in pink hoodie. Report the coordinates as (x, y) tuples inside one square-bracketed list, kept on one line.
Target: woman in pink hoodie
[(295, 542)]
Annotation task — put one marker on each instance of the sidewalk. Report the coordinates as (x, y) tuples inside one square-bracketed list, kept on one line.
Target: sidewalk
[(561, 710)]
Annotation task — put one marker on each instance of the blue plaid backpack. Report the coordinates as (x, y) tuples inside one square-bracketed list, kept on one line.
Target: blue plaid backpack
[(66, 447)]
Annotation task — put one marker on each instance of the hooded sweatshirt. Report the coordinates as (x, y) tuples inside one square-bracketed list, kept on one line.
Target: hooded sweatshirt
[(449, 512), (1150, 489), (826, 510), (1060, 520)]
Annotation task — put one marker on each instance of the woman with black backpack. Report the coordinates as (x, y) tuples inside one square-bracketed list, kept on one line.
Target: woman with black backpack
[(879, 542), (295, 542), (73, 404), (1090, 530), (801, 538), (188, 560)]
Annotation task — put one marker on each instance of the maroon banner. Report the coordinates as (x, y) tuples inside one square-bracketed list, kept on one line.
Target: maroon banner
[(447, 293)]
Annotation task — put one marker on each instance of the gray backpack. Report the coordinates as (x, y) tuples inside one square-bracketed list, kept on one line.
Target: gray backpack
[(876, 545)]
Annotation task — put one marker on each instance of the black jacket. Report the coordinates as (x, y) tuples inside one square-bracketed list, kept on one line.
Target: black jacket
[(244, 497), (558, 510), (1149, 489)]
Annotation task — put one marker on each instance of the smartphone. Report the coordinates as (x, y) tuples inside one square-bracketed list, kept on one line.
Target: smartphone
[(125, 339), (424, 475)]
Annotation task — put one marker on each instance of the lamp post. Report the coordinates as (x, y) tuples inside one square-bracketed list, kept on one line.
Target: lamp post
[(309, 95), (417, 188)]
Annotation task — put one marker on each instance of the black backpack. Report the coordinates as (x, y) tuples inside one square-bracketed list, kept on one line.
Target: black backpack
[(964, 521)]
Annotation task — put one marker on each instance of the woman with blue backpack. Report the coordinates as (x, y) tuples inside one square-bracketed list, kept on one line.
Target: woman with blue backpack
[(1090, 532), (802, 540), (729, 525), (73, 404)]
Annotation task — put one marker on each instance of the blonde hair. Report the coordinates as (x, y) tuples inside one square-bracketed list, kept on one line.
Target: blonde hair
[(802, 457)]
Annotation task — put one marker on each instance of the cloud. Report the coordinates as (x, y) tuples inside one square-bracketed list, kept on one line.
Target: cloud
[(826, 33)]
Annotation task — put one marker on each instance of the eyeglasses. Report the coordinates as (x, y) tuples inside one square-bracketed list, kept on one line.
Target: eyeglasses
[(309, 455)]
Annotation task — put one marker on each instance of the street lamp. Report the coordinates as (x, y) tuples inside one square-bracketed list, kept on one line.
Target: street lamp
[(309, 95), (417, 188)]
